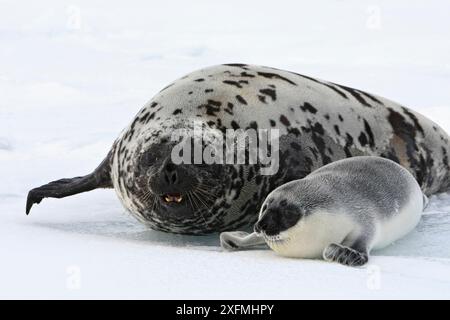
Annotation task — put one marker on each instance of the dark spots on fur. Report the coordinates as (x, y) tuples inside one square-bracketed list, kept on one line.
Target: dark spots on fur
[(318, 128), (363, 139), (317, 133), (283, 203), (253, 125), (211, 107), (307, 107), (276, 76), (232, 83), (234, 125), (190, 92), (348, 143), (413, 119), (154, 104), (371, 97), (330, 86), (326, 116), (229, 108), (152, 115), (241, 100), (445, 158), (407, 133), (272, 123), (337, 130), (243, 81), (248, 75), (294, 131), (199, 80), (369, 132), (357, 95), (284, 120), (269, 92), (296, 146), (214, 103), (314, 152), (341, 118), (145, 117), (239, 65), (209, 90), (262, 98), (177, 111)]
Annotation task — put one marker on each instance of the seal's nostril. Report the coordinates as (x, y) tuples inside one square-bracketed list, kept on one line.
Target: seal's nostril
[(170, 167), (174, 177)]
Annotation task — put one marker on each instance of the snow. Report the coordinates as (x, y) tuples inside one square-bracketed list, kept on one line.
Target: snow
[(72, 76)]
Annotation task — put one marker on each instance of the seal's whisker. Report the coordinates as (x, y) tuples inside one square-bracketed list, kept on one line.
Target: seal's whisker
[(193, 201), (208, 199), (200, 212), (190, 200), (205, 195)]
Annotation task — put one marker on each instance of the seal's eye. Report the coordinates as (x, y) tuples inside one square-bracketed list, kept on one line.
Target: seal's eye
[(148, 159)]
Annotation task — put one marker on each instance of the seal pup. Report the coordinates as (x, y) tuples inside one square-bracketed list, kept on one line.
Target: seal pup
[(339, 212), (319, 122)]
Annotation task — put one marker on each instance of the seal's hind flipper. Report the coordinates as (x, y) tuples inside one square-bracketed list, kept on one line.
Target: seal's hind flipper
[(100, 178), (345, 255)]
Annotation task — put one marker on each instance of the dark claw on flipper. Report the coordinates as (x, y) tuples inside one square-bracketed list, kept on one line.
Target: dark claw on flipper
[(31, 200), (345, 255), (55, 189)]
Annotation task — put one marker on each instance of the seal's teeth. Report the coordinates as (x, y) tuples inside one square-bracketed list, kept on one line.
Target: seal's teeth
[(169, 198)]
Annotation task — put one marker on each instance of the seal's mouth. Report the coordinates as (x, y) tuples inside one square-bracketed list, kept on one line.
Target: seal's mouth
[(172, 198), (274, 239)]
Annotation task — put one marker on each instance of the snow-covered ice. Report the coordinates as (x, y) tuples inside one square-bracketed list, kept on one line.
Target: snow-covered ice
[(74, 73)]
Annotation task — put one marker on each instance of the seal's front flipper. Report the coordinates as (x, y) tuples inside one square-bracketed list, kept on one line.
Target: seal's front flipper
[(239, 240), (345, 255), (100, 178)]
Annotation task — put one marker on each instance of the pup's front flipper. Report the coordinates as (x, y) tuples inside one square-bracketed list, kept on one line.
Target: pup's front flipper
[(239, 240), (345, 255)]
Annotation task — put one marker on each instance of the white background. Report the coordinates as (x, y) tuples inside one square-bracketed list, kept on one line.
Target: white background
[(74, 74)]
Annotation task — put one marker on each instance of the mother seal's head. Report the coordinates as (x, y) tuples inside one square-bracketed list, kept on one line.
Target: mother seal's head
[(170, 196)]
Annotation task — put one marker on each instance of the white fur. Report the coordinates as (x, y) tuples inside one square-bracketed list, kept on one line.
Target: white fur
[(397, 227), (308, 238)]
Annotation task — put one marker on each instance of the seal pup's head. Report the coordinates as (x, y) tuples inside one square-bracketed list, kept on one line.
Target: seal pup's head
[(284, 220)]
